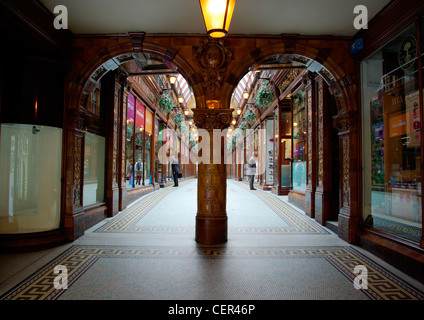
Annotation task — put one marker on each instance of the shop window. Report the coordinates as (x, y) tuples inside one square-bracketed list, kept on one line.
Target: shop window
[(148, 178), (138, 143), (300, 139), (283, 148), (391, 124), (30, 178), (130, 141), (157, 146), (138, 156), (94, 169), (94, 105), (147, 175), (269, 152)]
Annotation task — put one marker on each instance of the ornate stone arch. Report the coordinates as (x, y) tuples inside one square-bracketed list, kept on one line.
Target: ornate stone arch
[(338, 70), (88, 62), (339, 80)]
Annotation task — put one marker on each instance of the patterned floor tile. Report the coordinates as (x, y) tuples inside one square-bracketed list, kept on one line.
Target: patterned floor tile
[(271, 273)]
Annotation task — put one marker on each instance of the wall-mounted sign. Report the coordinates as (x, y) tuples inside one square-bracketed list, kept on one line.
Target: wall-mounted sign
[(408, 52), (357, 46)]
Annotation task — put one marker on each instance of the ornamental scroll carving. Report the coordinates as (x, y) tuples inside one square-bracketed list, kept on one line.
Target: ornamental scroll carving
[(78, 170), (346, 174), (345, 123), (115, 135), (213, 58), (320, 134), (212, 118)]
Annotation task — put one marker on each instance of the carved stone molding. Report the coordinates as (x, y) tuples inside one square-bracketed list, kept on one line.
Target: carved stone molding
[(212, 118), (345, 174), (213, 58)]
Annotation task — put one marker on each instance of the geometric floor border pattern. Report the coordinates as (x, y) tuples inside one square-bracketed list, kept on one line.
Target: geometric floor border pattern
[(382, 284), (127, 220)]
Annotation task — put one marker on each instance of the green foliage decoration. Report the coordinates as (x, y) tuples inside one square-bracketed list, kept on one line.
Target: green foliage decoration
[(250, 116), (165, 104), (264, 97)]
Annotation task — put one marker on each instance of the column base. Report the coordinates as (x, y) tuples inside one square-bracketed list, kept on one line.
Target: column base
[(211, 231)]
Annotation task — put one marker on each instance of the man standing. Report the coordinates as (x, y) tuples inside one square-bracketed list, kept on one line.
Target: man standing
[(252, 169), (175, 170)]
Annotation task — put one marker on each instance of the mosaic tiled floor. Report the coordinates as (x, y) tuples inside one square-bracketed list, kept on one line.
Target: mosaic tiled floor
[(142, 217), (172, 273)]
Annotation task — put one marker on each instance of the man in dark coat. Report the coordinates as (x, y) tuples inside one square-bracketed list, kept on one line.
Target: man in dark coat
[(175, 170)]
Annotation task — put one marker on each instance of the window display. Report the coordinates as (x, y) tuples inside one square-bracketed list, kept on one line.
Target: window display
[(286, 150), (94, 169), (130, 141), (300, 139), (269, 164), (392, 138), (147, 147), (30, 172)]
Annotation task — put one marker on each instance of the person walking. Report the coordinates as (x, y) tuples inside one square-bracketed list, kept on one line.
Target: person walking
[(175, 170), (252, 169), (138, 171)]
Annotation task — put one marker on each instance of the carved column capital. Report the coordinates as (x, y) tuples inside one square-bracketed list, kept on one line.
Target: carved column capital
[(212, 118)]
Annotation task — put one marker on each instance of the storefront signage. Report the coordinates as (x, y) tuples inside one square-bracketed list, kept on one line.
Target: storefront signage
[(397, 125), (156, 127), (140, 113), (130, 107), (149, 121)]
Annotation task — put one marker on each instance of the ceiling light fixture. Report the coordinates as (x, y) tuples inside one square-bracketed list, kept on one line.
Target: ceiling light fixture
[(217, 16)]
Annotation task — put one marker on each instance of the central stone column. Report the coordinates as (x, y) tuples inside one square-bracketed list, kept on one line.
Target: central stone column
[(211, 218)]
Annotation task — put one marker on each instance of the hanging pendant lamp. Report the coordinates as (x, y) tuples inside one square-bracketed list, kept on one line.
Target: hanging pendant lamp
[(217, 16)]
